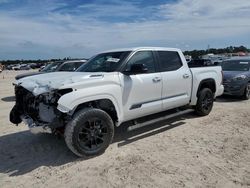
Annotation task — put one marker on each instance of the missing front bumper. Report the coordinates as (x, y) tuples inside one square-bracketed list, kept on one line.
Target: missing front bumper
[(34, 128)]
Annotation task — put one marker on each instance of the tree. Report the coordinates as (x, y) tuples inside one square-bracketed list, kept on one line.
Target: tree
[(231, 49)]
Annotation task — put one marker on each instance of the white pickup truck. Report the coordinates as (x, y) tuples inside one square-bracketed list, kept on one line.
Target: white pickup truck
[(113, 87)]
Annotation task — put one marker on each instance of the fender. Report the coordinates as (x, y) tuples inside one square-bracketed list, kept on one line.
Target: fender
[(202, 76), (69, 102)]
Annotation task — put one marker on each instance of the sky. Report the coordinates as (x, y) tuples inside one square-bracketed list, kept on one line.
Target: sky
[(45, 29)]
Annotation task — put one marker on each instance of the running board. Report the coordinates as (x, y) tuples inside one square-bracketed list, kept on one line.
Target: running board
[(139, 125)]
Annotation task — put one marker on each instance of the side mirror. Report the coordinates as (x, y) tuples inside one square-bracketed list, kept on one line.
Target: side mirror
[(137, 69)]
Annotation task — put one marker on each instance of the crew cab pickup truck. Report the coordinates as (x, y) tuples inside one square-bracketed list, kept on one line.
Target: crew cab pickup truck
[(112, 88)]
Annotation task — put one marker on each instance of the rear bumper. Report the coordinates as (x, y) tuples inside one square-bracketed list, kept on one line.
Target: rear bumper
[(220, 91)]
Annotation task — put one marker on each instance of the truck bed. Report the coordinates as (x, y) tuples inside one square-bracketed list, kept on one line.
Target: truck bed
[(204, 73)]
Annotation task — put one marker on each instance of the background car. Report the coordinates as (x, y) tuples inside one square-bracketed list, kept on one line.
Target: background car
[(1, 67), (42, 67), (24, 67), (68, 65), (200, 62), (9, 67), (33, 65), (16, 67), (236, 79)]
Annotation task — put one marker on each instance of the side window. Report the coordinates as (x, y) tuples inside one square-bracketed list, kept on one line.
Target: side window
[(170, 61), (142, 57), (77, 65), (66, 67), (71, 66)]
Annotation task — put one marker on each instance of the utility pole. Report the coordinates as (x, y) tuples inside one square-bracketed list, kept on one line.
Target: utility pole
[(208, 47)]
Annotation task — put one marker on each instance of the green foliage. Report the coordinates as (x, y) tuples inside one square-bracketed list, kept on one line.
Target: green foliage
[(38, 61), (230, 49), (9, 62)]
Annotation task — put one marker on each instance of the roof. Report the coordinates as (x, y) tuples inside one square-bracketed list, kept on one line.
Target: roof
[(73, 61), (143, 48), (69, 61), (238, 58)]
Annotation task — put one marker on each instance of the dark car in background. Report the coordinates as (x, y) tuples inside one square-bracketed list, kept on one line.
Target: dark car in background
[(200, 62), (67, 65), (236, 77)]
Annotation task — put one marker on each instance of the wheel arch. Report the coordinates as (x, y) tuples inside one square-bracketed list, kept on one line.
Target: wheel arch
[(207, 83), (105, 104)]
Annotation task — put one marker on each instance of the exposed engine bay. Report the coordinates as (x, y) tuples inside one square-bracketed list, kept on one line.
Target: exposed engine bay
[(38, 111)]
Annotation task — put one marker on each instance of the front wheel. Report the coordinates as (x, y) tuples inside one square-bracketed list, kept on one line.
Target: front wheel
[(205, 102), (246, 95), (89, 132)]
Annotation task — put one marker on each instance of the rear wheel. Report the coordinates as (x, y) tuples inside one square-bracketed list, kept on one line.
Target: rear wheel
[(205, 102), (246, 95), (89, 133)]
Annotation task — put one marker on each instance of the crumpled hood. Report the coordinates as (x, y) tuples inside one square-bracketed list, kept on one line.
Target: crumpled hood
[(228, 75), (19, 76), (43, 83)]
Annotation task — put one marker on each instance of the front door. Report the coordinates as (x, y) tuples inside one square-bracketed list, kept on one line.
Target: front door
[(141, 92)]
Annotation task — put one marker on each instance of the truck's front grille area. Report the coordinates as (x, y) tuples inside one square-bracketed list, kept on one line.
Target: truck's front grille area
[(25, 102)]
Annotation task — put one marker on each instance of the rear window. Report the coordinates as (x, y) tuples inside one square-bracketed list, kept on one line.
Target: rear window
[(169, 60)]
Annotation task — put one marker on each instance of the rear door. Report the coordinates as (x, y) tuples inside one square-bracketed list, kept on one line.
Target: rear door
[(177, 80), (141, 92)]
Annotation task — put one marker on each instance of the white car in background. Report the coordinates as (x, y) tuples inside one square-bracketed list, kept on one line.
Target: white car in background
[(16, 67)]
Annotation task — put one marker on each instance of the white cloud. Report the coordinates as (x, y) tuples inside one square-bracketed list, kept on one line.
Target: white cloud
[(190, 9), (186, 24)]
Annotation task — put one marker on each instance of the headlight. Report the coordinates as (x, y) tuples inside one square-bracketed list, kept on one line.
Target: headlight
[(240, 77)]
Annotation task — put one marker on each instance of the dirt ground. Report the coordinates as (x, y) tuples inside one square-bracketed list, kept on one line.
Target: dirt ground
[(187, 151)]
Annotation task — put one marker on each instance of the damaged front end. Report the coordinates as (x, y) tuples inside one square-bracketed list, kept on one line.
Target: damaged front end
[(39, 112)]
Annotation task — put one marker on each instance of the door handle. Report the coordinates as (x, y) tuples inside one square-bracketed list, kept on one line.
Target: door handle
[(156, 79), (185, 76)]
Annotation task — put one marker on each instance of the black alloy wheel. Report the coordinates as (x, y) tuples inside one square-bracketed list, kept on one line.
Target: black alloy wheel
[(92, 134), (205, 102), (89, 132)]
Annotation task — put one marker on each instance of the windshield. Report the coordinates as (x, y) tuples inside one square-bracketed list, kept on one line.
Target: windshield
[(235, 65), (105, 62), (51, 67)]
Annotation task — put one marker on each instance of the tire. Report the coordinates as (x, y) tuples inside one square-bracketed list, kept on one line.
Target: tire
[(89, 133), (14, 116), (246, 94), (205, 102)]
